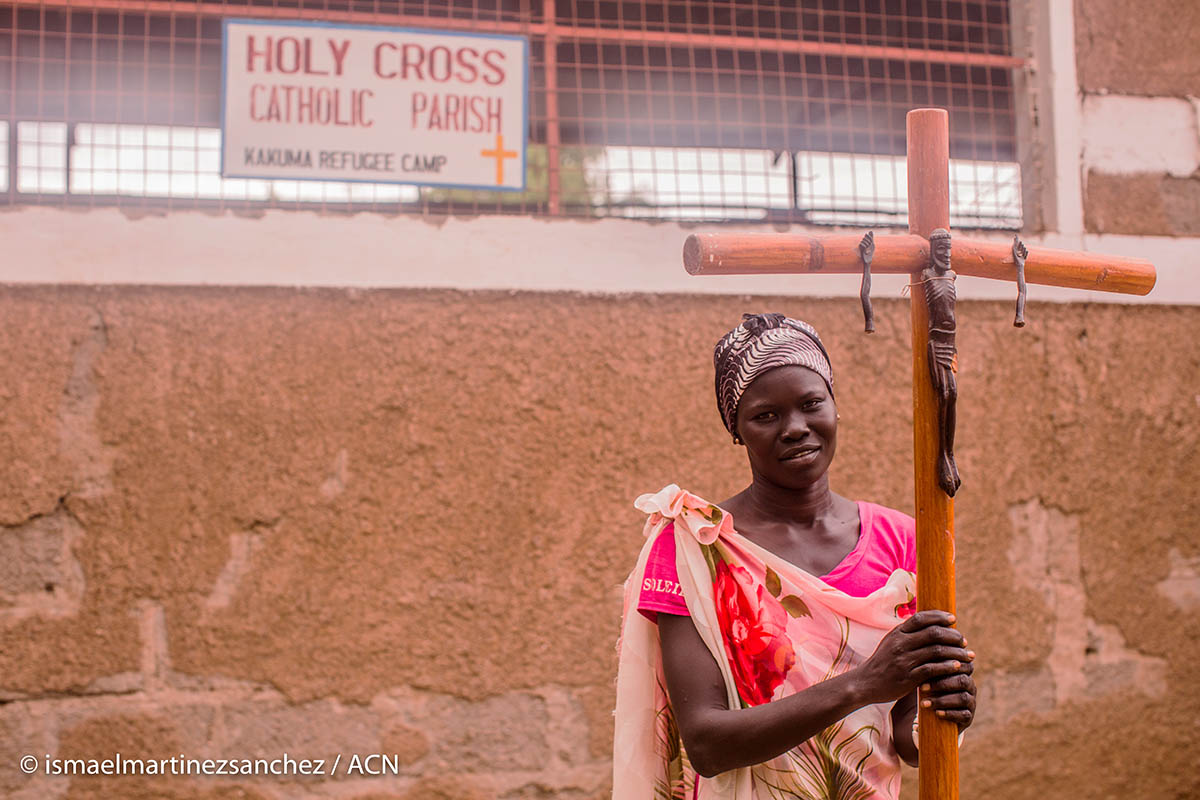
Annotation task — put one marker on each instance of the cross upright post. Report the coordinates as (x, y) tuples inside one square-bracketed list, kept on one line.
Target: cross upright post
[(928, 210), (934, 388)]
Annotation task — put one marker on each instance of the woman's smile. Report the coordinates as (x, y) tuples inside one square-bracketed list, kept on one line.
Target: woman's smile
[(803, 453)]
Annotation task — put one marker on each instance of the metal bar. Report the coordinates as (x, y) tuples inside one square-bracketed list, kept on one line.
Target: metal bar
[(12, 116), (12, 159), (649, 36), (550, 67)]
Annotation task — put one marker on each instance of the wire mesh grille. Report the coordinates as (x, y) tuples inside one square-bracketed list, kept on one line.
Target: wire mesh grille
[(714, 110)]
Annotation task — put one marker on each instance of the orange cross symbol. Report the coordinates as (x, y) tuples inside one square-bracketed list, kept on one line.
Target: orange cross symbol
[(499, 154)]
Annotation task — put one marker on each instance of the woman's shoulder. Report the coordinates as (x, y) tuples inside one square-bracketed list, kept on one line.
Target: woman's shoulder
[(888, 520), (884, 512)]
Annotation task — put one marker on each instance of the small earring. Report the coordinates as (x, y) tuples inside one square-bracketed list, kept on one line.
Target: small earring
[(737, 439), (839, 416)]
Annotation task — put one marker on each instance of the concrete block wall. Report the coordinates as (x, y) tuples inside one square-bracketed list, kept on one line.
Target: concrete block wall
[(1139, 75)]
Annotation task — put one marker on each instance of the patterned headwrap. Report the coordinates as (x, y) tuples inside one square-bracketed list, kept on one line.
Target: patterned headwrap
[(761, 343)]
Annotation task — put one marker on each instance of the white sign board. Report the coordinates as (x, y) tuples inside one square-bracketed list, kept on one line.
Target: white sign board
[(357, 103)]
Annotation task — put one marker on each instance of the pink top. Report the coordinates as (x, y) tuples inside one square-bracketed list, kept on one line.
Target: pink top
[(886, 542)]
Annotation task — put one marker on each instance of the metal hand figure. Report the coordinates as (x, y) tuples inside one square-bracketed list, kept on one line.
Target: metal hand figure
[(940, 295), (866, 250), (1019, 254)]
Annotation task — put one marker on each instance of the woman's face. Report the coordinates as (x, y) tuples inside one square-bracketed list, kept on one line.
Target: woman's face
[(788, 422)]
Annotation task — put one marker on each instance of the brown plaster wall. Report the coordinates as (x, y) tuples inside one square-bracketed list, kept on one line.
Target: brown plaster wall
[(1139, 47), (1145, 203), (242, 522)]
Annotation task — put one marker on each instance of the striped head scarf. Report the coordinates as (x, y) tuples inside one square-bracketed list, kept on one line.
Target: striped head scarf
[(760, 343)]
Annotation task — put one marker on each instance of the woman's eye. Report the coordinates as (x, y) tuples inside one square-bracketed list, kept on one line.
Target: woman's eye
[(765, 416)]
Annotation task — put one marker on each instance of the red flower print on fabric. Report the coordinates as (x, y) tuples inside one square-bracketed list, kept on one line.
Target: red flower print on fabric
[(754, 627)]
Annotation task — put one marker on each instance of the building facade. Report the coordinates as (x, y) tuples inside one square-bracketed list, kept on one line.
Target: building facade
[(323, 470)]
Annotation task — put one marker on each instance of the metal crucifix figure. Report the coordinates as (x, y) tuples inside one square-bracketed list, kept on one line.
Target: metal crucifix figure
[(924, 255), (938, 282)]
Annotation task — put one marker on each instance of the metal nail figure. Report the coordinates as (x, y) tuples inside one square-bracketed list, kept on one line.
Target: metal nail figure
[(938, 280), (866, 251)]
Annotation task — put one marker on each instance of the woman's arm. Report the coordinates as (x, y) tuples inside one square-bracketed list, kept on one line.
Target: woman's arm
[(923, 648)]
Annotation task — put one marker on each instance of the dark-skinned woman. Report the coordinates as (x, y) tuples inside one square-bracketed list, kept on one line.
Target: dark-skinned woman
[(769, 647)]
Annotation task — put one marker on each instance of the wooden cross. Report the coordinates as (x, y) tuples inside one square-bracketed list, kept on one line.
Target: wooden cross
[(928, 210)]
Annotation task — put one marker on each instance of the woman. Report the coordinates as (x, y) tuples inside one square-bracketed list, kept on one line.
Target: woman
[(745, 675)]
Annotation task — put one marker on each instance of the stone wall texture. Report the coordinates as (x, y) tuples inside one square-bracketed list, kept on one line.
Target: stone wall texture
[(1145, 204), (1139, 47), (241, 523), (1143, 48)]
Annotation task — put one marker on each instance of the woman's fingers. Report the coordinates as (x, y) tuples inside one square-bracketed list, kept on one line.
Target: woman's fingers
[(951, 697), (959, 682), (930, 671), (946, 702), (940, 634), (941, 652), (962, 718), (923, 619)]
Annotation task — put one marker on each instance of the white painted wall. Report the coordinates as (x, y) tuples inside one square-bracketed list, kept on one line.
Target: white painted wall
[(285, 248), (1126, 135), (1057, 52)]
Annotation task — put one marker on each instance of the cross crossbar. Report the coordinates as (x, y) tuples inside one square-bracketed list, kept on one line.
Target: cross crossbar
[(766, 253)]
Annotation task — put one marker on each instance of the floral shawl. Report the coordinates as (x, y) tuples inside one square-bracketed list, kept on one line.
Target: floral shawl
[(773, 629)]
